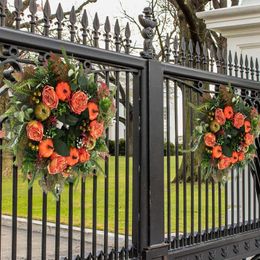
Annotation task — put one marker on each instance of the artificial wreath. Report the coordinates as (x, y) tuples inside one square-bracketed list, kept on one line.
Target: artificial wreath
[(56, 121), (225, 132)]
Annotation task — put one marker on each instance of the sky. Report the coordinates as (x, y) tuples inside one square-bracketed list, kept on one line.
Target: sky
[(111, 8)]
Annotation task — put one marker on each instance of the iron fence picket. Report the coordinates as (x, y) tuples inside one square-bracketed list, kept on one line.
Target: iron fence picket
[(1, 188), (82, 217), (14, 211), (70, 221), (57, 230), (29, 222)]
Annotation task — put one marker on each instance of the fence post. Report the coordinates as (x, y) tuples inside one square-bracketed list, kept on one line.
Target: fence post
[(148, 179), (148, 157), (156, 248)]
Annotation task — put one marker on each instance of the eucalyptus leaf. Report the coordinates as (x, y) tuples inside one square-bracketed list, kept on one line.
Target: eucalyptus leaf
[(19, 116), (83, 82)]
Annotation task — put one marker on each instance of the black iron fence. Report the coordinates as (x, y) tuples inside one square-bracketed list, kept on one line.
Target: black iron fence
[(147, 205)]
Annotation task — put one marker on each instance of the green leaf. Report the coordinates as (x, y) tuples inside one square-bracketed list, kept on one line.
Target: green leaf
[(68, 119), (73, 86), (92, 88), (101, 145), (105, 104), (61, 147), (62, 119), (227, 150), (27, 113), (19, 116), (71, 120), (83, 82)]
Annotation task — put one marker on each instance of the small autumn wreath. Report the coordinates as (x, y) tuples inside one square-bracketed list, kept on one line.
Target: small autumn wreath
[(56, 121), (225, 132)]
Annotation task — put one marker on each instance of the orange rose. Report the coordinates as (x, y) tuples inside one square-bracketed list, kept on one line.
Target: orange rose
[(46, 148), (57, 165), (238, 120), (74, 156), (234, 157), (83, 155), (247, 125), (210, 139), (96, 129), (219, 116), (63, 91), (49, 97), (249, 139), (241, 156), (92, 110), (217, 151), (34, 131), (79, 102), (224, 163), (228, 112)]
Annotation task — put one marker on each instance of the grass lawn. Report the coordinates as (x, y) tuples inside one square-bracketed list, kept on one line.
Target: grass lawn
[(37, 200)]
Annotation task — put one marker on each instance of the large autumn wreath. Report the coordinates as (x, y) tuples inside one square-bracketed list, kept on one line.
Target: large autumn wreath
[(56, 121), (225, 132)]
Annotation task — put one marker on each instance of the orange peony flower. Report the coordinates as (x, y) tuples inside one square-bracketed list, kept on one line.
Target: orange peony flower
[(79, 102), (57, 165), (219, 116), (238, 120), (247, 125), (74, 156), (63, 91), (224, 163), (217, 151), (249, 139), (210, 139), (103, 90), (46, 148), (234, 157), (228, 112), (83, 155), (49, 97), (34, 131), (96, 129), (92, 110), (241, 156), (253, 112)]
